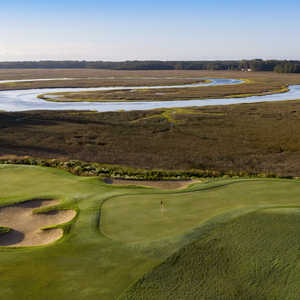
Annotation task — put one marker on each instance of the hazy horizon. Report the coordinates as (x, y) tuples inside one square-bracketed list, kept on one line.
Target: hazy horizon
[(172, 30), (163, 60)]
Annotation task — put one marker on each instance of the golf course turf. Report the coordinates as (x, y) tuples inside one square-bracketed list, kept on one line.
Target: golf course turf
[(212, 227), (255, 256)]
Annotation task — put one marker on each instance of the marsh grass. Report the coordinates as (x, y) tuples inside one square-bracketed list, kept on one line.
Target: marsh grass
[(261, 138), (172, 94)]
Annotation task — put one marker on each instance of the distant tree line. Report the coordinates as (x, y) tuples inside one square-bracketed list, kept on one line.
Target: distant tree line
[(288, 67), (279, 66)]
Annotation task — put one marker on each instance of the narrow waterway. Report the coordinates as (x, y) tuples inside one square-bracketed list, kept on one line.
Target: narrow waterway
[(22, 100)]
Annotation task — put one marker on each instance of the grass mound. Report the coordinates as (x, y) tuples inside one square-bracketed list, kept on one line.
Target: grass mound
[(255, 256)]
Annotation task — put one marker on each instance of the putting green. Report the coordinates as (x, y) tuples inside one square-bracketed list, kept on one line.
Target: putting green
[(134, 236), (184, 211)]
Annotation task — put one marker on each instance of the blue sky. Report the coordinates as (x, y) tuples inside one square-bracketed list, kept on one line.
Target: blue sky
[(166, 30)]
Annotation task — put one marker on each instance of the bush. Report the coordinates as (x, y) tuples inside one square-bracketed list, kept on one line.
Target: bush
[(80, 168)]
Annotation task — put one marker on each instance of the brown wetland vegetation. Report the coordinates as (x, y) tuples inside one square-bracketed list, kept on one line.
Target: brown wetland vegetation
[(261, 137), (257, 82)]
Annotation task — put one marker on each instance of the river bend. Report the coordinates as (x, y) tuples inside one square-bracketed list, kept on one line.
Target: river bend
[(24, 100)]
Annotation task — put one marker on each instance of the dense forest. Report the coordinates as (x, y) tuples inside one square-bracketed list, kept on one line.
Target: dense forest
[(253, 65)]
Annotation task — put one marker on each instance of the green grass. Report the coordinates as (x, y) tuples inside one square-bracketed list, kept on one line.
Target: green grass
[(83, 264), (255, 256), (134, 236), (187, 210)]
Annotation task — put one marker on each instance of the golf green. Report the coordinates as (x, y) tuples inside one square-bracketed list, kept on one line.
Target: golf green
[(121, 233)]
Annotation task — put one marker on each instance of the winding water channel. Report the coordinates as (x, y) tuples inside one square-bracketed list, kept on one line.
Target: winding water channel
[(22, 100)]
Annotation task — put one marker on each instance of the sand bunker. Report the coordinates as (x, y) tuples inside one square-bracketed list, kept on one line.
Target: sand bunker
[(163, 184), (26, 226)]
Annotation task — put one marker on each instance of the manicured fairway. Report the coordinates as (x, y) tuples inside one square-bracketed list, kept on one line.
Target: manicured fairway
[(135, 234)]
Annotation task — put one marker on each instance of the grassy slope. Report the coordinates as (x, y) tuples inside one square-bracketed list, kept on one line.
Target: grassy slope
[(252, 257), (87, 264)]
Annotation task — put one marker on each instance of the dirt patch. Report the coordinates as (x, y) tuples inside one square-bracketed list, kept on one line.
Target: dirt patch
[(163, 184), (26, 226)]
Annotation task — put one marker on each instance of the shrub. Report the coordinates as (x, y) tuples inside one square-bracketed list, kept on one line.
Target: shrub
[(80, 168)]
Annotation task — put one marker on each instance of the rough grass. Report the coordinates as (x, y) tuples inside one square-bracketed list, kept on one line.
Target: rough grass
[(88, 264), (255, 256)]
